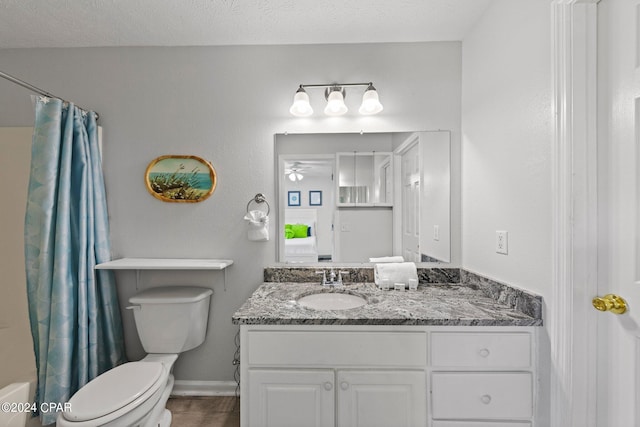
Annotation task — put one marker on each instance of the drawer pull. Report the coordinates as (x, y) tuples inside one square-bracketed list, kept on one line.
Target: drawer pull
[(484, 352), (344, 385), (486, 399), (328, 386)]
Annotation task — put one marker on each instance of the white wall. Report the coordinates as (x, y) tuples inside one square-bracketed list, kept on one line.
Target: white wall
[(223, 104), (364, 233), (506, 144), (435, 207), (506, 154)]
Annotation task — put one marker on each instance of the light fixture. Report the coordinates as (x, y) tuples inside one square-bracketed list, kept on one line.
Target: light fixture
[(335, 101), (295, 176), (370, 103), (301, 106), (295, 173), (335, 94)]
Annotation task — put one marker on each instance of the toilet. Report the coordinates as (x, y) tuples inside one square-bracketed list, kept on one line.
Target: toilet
[(169, 320)]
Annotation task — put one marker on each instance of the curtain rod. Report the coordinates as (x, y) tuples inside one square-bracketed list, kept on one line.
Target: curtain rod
[(35, 89)]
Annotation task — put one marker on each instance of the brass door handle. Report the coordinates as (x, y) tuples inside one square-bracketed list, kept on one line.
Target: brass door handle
[(610, 302)]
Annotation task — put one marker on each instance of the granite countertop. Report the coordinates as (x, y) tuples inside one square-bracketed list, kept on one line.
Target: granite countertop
[(441, 304)]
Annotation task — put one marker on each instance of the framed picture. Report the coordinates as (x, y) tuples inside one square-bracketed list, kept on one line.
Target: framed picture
[(294, 198), (182, 179), (315, 198)]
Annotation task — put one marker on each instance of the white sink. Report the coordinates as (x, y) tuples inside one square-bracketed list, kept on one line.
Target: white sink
[(332, 301)]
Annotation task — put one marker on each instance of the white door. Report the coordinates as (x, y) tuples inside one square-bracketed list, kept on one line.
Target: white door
[(291, 398), (619, 246), (410, 171), (381, 398)]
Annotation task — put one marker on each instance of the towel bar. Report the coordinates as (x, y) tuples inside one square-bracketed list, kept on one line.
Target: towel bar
[(259, 198)]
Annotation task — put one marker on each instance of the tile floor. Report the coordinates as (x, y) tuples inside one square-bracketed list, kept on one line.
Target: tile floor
[(218, 411)]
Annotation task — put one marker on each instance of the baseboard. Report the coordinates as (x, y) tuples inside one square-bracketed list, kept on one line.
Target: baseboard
[(204, 388)]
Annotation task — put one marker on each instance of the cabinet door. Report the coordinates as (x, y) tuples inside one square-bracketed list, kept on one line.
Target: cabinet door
[(291, 398), (382, 179), (381, 398), (365, 179)]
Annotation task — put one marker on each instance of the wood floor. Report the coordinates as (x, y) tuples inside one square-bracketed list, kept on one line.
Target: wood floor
[(222, 411)]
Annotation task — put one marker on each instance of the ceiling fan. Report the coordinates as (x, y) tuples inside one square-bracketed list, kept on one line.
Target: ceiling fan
[(295, 172)]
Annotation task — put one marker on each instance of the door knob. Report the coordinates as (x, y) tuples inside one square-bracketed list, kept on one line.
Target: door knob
[(610, 302)]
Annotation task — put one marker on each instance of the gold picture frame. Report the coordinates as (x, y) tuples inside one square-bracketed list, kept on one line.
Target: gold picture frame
[(180, 179)]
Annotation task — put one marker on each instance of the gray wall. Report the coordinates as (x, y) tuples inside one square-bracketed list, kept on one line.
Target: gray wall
[(16, 345), (223, 104)]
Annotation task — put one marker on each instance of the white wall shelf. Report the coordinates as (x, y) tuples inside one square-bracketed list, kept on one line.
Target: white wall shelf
[(139, 264), (165, 264)]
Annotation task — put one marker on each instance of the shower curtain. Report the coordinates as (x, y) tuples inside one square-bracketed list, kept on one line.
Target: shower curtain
[(73, 309)]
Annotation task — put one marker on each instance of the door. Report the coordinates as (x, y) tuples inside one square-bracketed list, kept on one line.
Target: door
[(619, 199), (291, 398), (410, 172), (381, 398)]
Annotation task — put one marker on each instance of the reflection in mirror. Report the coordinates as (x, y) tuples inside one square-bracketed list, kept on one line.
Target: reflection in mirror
[(350, 197)]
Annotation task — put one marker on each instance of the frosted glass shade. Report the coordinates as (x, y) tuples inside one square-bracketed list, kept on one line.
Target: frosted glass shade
[(295, 176), (370, 103), (301, 106), (335, 104)]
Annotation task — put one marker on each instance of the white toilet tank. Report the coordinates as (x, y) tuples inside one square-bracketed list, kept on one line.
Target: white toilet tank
[(171, 319)]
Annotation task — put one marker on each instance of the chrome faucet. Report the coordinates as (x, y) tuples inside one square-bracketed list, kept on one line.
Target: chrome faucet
[(333, 279)]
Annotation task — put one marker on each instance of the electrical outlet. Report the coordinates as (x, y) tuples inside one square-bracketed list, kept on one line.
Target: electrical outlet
[(502, 242), (436, 232)]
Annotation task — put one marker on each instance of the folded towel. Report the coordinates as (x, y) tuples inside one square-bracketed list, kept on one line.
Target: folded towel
[(257, 226), (395, 272), (387, 259)]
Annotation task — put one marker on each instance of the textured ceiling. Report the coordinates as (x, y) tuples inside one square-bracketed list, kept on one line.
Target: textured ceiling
[(81, 23)]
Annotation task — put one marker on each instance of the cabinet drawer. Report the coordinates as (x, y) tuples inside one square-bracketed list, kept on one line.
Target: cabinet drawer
[(496, 395), (481, 349), (322, 348), (480, 424)]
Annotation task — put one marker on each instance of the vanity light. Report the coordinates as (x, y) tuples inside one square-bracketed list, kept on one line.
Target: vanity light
[(370, 103), (301, 106), (335, 94), (335, 101)]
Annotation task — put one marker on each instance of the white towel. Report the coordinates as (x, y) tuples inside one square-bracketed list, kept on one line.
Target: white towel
[(397, 258), (395, 272), (258, 226)]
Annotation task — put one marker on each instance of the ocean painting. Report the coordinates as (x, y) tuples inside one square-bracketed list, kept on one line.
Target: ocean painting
[(177, 178)]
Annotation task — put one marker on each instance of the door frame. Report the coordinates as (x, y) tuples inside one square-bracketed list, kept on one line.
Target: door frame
[(573, 360), (282, 205)]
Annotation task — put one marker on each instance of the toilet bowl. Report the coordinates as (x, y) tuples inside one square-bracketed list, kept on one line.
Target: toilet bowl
[(170, 320)]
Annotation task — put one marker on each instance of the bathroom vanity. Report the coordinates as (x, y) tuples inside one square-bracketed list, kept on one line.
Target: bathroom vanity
[(446, 355)]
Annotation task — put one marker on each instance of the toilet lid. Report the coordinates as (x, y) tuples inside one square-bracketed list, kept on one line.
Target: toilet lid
[(113, 390)]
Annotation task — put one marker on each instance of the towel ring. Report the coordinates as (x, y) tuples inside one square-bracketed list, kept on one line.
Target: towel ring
[(259, 198)]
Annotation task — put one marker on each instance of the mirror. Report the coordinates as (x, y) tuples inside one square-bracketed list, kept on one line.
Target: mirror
[(348, 197)]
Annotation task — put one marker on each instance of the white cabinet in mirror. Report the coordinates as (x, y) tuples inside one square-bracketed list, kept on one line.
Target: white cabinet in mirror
[(351, 196), (364, 179)]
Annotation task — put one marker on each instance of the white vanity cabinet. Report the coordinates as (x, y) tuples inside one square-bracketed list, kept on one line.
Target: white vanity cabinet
[(320, 398), (356, 375)]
